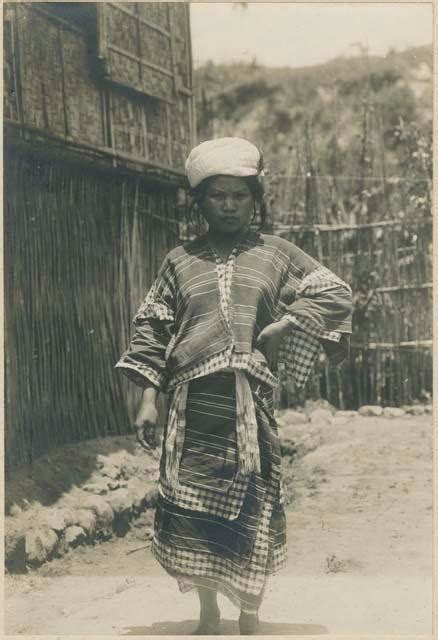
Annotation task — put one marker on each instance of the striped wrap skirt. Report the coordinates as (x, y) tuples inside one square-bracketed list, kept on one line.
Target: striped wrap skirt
[(221, 530)]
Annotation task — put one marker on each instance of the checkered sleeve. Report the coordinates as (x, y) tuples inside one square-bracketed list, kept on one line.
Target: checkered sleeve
[(320, 315), (297, 355), (144, 360), (322, 305)]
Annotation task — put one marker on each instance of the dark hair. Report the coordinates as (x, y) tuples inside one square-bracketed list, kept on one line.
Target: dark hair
[(197, 195)]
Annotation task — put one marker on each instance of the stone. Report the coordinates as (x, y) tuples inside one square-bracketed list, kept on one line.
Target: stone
[(346, 414), (15, 510), (149, 533), (288, 449), (110, 471), (113, 485), (321, 403), (15, 549), (293, 417), (370, 410), (428, 408), (298, 443), (104, 533), (86, 519), (56, 520), (151, 496), (137, 489), (98, 488), (120, 458), (121, 502), (296, 429), (393, 412), (101, 461), (40, 545), (308, 444), (68, 515), (74, 536), (415, 409), (100, 507), (138, 504), (321, 415), (26, 504), (288, 434), (145, 519)]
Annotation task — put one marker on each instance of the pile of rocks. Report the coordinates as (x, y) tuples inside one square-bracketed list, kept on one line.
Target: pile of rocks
[(300, 428), (395, 412), (322, 411), (121, 489)]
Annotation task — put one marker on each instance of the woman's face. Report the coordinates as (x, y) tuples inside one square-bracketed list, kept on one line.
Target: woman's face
[(228, 204)]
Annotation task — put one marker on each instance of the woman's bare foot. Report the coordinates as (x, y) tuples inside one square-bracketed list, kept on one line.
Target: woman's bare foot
[(248, 623), (206, 629), (210, 615), (208, 623)]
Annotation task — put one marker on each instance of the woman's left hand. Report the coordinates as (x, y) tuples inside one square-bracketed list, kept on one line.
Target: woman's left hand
[(268, 340)]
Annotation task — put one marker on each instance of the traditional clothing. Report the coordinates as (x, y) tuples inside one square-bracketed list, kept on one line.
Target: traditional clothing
[(220, 521)]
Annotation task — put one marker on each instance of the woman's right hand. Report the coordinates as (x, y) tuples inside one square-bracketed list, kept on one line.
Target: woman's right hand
[(146, 421), (145, 426)]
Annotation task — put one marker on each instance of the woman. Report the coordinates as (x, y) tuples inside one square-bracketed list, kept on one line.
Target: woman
[(225, 309)]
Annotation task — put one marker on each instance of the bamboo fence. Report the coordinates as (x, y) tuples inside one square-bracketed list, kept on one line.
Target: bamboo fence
[(390, 360), (370, 222)]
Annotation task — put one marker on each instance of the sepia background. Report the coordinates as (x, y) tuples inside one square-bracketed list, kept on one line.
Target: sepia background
[(102, 103)]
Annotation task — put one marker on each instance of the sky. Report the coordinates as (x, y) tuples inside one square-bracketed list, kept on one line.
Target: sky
[(299, 34)]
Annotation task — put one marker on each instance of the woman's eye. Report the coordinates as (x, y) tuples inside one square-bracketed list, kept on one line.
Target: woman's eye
[(221, 197)]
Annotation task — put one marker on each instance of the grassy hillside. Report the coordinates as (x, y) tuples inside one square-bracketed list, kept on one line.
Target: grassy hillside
[(243, 95), (353, 118)]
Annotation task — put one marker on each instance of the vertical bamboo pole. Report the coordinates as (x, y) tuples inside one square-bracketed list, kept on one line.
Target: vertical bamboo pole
[(170, 9), (63, 90), (139, 44), (311, 189), (169, 135)]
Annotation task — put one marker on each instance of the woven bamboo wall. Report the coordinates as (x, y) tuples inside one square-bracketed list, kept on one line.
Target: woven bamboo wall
[(92, 169), (81, 250), (54, 90), (63, 81)]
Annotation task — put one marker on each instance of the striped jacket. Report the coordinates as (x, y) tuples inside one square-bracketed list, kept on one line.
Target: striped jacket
[(180, 322)]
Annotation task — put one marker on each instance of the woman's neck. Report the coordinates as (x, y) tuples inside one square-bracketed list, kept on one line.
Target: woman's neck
[(226, 240)]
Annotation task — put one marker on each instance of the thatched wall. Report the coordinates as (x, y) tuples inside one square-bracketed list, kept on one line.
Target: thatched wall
[(73, 76), (94, 158), (81, 249)]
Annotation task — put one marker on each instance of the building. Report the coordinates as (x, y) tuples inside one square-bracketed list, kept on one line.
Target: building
[(99, 117)]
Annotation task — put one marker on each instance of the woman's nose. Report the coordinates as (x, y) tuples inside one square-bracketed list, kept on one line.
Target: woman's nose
[(229, 203)]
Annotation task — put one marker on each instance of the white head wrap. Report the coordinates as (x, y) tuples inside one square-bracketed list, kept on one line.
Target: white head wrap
[(223, 156)]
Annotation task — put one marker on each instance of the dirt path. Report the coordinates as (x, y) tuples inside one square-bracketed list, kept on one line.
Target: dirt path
[(360, 548)]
